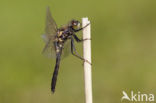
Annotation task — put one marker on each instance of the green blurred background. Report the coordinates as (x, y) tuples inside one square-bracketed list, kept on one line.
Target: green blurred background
[(123, 50)]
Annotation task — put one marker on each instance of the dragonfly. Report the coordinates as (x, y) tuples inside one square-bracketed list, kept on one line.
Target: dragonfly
[(58, 40)]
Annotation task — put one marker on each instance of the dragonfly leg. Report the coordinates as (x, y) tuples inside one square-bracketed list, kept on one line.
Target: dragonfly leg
[(80, 40), (82, 28), (73, 49)]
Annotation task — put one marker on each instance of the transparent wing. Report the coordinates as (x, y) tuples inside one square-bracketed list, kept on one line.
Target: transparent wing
[(51, 27), (66, 49), (49, 49), (49, 36)]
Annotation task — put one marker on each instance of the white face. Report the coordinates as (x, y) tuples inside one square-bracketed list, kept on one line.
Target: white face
[(78, 25)]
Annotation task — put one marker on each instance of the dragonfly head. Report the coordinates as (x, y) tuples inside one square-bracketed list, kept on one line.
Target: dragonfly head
[(75, 24)]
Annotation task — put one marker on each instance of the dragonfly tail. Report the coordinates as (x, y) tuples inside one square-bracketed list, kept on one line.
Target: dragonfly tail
[(55, 73)]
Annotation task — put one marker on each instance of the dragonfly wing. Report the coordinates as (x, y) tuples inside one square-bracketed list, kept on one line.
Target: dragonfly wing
[(51, 27), (49, 36), (66, 49), (49, 49)]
